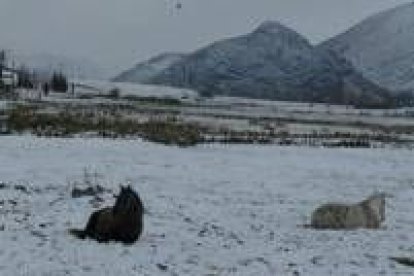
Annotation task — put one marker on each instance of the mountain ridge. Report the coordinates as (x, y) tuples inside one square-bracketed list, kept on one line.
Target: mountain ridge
[(380, 47), (271, 62), (149, 68)]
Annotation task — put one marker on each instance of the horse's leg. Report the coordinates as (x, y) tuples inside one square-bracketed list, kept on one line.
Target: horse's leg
[(89, 230)]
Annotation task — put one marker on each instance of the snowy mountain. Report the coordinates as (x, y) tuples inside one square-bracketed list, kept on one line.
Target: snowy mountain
[(150, 68), (272, 62), (381, 47)]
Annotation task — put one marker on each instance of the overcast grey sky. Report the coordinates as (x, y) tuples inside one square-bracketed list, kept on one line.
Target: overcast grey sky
[(119, 33)]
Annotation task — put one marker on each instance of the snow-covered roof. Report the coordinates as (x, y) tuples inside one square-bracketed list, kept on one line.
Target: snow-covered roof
[(4, 70)]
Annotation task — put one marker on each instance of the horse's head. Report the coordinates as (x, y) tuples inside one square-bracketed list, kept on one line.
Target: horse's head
[(377, 203), (128, 201)]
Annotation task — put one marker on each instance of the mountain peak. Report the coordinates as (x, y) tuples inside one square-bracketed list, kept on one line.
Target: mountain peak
[(272, 62), (271, 26), (276, 30)]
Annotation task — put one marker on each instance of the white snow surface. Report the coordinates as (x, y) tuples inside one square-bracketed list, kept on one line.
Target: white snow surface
[(211, 209), (134, 89)]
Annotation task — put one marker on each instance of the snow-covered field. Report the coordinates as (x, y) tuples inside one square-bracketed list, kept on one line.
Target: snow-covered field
[(133, 89), (211, 210)]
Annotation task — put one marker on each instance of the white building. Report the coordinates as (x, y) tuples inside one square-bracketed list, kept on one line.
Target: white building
[(8, 77)]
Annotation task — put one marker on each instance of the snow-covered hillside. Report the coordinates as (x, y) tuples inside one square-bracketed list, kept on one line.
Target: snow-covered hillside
[(272, 62), (150, 68), (211, 210), (382, 47)]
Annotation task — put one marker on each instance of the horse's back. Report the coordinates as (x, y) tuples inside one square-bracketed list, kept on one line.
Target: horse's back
[(344, 216), (329, 216)]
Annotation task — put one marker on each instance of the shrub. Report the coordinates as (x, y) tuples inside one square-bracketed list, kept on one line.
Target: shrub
[(168, 132), (114, 93)]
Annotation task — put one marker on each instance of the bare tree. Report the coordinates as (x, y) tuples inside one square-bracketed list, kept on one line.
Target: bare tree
[(3, 58)]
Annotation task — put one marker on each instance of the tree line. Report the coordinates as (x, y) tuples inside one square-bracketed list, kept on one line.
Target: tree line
[(29, 78)]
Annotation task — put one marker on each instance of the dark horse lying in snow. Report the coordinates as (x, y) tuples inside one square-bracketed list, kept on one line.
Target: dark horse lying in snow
[(123, 222)]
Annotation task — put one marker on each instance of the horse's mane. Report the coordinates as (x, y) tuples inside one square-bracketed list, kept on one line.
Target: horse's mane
[(124, 199)]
